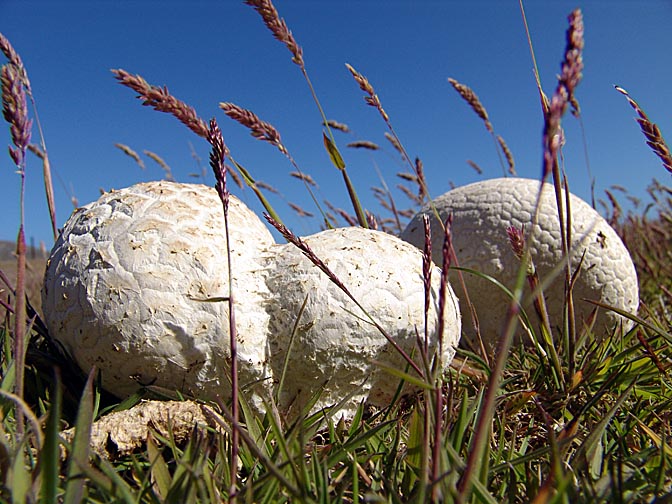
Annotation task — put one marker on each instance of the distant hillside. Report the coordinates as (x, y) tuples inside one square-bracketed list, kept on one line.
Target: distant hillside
[(8, 248)]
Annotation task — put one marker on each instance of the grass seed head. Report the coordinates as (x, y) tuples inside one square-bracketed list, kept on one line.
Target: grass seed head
[(160, 99), (278, 27), (15, 112), (471, 98)]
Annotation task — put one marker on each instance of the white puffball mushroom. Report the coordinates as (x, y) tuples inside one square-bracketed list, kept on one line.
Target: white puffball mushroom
[(128, 283), (335, 344), (137, 283), (483, 211)]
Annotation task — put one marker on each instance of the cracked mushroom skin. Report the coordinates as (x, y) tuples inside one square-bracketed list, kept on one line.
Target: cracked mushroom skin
[(483, 211), (135, 282), (336, 347)]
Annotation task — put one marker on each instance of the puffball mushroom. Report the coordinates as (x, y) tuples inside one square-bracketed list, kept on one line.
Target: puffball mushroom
[(136, 285), (483, 211), (130, 284), (336, 346)]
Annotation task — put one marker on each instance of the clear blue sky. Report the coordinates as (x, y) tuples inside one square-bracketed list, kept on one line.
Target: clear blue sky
[(212, 51)]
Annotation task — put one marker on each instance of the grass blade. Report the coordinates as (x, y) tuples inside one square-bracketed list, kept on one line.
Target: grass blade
[(50, 456), (79, 457)]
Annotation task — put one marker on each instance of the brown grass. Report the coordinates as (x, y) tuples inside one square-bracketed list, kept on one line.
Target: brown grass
[(160, 99), (305, 177), (259, 129), (15, 112), (33, 279), (471, 98), (371, 98), (15, 60), (300, 211), (278, 27), (160, 161), (654, 137), (395, 143), (572, 68), (363, 144), (475, 166), (337, 126), (131, 153), (508, 155)]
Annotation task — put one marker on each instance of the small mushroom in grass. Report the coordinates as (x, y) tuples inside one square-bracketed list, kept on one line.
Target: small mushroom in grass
[(482, 213), (336, 346), (137, 284)]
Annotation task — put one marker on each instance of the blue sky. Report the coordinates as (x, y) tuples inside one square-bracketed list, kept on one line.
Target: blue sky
[(206, 52)]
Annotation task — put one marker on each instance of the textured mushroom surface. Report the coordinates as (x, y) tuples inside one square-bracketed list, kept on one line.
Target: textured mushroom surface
[(137, 283), (127, 283), (335, 343), (483, 211)]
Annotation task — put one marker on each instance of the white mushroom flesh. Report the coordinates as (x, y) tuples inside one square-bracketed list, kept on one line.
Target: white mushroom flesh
[(130, 286), (336, 346), (137, 285), (481, 214)]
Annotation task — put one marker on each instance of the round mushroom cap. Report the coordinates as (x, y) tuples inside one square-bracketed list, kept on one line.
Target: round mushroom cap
[(332, 345), (483, 211), (136, 285)]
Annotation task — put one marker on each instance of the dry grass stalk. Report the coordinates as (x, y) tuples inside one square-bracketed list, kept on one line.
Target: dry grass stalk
[(15, 112), (471, 98), (131, 153), (372, 98), (507, 154), (14, 59), (363, 144), (409, 194), (409, 177), (278, 27), (159, 160), (395, 143), (649, 350), (427, 265), (654, 138), (572, 68), (337, 126), (218, 154), (160, 99), (372, 221), (476, 168), (16, 62), (617, 211), (266, 187), (379, 192), (382, 202), (349, 219), (422, 182), (517, 241), (48, 185), (259, 129), (299, 211), (304, 176), (235, 176), (197, 159), (20, 320)]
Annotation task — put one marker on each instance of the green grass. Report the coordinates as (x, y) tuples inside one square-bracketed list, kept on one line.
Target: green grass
[(592, 425)]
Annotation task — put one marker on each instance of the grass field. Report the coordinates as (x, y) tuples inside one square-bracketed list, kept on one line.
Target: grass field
[(593, 426)]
